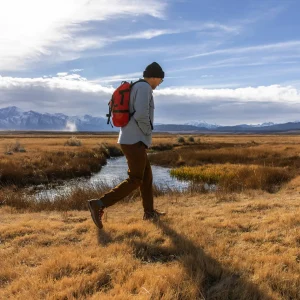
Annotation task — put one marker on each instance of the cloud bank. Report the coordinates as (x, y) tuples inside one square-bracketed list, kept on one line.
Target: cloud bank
[(75, 95)]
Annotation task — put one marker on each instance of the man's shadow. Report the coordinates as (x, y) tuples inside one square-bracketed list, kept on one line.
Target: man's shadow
[(213, 280), (104, 238)]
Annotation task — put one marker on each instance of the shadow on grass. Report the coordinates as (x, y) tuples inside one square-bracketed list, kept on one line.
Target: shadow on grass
[(103, 238), (213, 281)]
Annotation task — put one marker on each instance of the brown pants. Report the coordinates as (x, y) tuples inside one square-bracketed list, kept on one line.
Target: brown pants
[(140, 175)]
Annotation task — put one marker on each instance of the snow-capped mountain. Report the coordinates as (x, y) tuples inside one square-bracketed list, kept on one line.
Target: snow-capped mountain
[(202, 124), (10, 111), (267, 124), (262, 125), (13, 118)]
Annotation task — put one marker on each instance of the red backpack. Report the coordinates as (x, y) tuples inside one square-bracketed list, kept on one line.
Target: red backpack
[(119, 104)]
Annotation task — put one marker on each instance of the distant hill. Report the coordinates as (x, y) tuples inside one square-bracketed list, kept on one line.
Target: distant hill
[(179, 127), (13, 118), (291, 126)]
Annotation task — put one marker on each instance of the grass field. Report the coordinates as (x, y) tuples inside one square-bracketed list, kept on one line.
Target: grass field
[(228, 244), (42, 158)]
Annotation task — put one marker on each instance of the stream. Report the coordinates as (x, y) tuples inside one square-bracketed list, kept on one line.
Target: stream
[(111, 174)]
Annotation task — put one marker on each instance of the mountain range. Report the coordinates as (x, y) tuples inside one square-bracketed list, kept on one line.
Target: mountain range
[(13, 118)]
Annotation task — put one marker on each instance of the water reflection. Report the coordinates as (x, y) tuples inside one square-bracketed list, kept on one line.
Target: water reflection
[(116, 169), (111, 174)]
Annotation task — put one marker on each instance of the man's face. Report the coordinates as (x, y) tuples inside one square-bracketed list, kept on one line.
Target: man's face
[(157, 82)]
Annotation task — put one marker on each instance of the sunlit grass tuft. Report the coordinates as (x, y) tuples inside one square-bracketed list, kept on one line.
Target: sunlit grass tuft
[(236, 177)]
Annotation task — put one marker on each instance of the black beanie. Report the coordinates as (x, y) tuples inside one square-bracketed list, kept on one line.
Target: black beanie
[(154, 70)]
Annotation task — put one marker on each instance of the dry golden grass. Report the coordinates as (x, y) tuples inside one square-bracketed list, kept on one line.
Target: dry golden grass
[(235, 177), (202, 249), (72, 199), (209, 246), (39, 142), (49, 156), (263, 166), (47, 163), (221, 153)]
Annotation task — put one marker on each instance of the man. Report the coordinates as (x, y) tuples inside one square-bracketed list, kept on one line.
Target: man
[(134, 139)]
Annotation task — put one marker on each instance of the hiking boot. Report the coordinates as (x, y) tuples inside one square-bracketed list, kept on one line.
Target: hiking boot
[(153, 215), (97, 212)]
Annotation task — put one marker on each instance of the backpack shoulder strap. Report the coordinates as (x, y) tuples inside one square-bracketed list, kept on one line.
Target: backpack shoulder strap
[(140, 80)]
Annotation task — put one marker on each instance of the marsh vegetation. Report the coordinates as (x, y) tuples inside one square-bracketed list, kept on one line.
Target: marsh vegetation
[(240, 241)]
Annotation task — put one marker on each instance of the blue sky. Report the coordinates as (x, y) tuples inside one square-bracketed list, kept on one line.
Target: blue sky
[(226, 62)]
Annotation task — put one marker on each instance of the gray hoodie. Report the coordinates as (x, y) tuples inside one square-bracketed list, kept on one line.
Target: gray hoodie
[(139, 126)]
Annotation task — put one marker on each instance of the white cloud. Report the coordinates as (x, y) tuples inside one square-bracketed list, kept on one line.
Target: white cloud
[(75, 82), (35, 28), (138, 51), (127, 77), (75, 95), (151, 33), (290, 45), (62, 74), (76, 70), (220, 27), (147, 34), (70, 82), (272, 93), (71, 94), (206, 76), (60, 30), (118, 78), (237, 62), (82, 44)]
